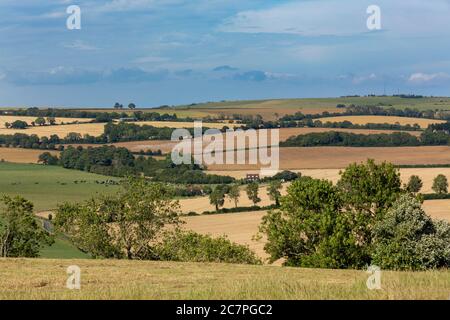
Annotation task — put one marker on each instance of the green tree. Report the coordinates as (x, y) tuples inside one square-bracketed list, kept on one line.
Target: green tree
[(273, 191), (252, 192), (234, 194), (51, 120), (7, 125), (440, 184), (408, 239), (20, 234), (47, 158), (217, 197), (368, 191), (40, 121), (18, 124), (414, 184), (131, 106), (125, 225), (310, 229)]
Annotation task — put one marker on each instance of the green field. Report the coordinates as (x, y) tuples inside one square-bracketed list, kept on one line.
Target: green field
[(122, 279), (62, 249), (46, 186)]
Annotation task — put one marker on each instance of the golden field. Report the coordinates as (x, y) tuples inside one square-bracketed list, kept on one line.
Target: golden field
[(296, 158), (19, 155), (29, 120), (423, 123), (122, 279)]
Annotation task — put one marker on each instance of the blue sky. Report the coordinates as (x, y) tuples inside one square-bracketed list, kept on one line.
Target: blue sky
[(155, 52)]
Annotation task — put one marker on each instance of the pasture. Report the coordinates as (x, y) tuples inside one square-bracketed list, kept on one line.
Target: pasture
[(121, 279), (47, 186)]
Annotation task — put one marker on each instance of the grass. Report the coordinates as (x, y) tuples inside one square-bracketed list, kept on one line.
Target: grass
[(112, 279), (46, 186), (62, 249)]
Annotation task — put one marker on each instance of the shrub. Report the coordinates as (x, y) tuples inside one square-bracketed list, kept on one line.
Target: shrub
[(189, 246), (408, 239)]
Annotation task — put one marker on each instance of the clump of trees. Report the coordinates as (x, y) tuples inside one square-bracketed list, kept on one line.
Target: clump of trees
[(359, 221), (20, 233), (141, 222), (112, 161)]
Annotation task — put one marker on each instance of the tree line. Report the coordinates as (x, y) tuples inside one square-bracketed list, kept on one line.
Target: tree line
[(120, 162), (348, 139)]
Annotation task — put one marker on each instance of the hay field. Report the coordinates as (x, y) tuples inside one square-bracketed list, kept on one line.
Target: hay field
[(423, 123), (426, 174), (29, 120), (93, 129), (242, 227), (284, 134), (19, 155), (297, 158), (122, 279), (238, 227)]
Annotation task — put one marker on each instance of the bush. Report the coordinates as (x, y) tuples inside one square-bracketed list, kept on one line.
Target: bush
[(193, 247), (408, 239)]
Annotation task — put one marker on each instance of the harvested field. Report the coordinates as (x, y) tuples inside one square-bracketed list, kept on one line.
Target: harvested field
[(426, 174), (33, 279), (341, 157), (423, 123), (285, 133), (201, 204), (241, 227), (29, 120), (178, 124), (20, 155), (438, 209), (238, 227), (93, 129)]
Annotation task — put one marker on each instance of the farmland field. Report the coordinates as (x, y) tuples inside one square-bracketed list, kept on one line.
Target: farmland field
[(268, 108), (242, 227), (285, 133), (46, 186), (340, 157), (423, 123), (29, 120), (19, 155), (112, 279)]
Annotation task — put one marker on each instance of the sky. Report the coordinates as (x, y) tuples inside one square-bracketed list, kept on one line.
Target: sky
[(170, 52)]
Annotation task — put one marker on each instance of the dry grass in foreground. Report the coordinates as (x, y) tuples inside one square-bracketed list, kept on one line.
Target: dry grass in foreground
[(109, 279)]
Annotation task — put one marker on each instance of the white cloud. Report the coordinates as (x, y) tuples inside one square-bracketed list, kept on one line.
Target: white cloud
[(343, 18), (79, 45), (423, 78)]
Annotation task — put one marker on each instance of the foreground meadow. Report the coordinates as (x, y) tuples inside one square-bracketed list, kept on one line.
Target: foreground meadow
[(113, 279)]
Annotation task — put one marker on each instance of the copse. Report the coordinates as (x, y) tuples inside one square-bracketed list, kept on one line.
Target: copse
[(326, 226)]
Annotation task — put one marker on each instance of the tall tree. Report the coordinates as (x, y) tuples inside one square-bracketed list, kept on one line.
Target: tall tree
[(217, 197), (234, 194), (414, 184), (131, 106), (252, 192), (440, 184), (273, 191)]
